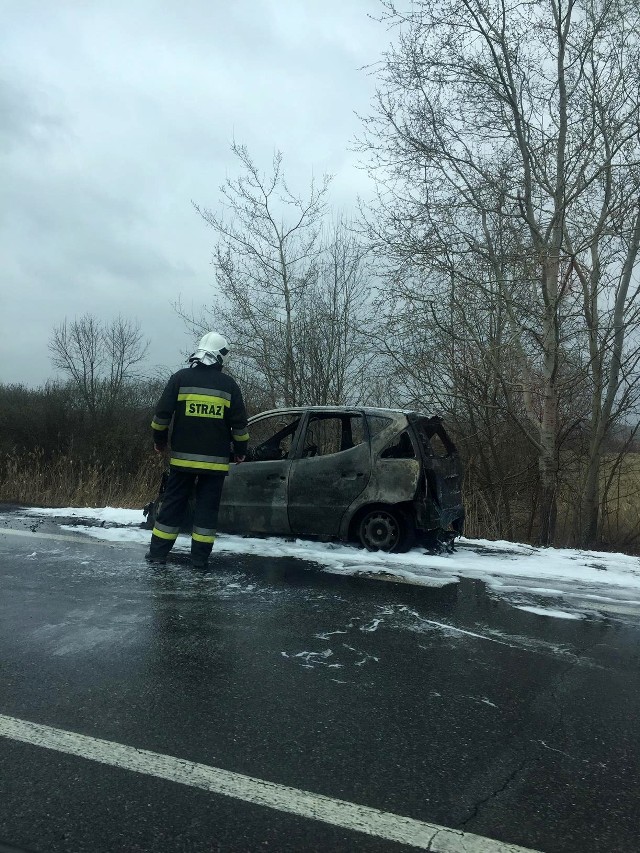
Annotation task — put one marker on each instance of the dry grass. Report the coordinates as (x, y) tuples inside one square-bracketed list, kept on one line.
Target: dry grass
[(620, 510), (29, 479), (619, 503)]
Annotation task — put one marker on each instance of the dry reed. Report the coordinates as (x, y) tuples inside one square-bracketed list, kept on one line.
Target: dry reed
[(30, 479)]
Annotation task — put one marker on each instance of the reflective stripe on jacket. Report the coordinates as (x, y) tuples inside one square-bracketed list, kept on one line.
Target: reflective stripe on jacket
[(208, 415)]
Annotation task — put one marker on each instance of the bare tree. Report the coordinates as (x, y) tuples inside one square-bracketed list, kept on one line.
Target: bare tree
[(265, 261), (290, 289), (99, 358), (505, 144), (333, 362)]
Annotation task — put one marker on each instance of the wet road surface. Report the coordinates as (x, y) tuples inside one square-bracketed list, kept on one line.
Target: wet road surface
[(441, 705)]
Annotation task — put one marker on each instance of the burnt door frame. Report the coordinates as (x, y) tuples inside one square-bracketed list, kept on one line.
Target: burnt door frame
[(254, 498), (322, 488)]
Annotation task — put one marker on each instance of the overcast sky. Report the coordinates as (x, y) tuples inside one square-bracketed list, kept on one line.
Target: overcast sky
[(116, 114)]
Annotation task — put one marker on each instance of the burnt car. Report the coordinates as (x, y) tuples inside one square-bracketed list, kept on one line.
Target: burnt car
[(381, 477)]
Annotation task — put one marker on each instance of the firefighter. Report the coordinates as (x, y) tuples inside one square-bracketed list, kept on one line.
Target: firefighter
[(209, 417)]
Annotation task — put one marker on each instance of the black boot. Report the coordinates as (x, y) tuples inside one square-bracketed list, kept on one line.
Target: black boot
[(155, 560)]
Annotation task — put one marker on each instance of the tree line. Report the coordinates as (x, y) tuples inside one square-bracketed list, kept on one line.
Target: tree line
[(84, 436), (493, 279)]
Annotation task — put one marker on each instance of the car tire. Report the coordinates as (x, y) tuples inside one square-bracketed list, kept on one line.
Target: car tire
[(386, 529)]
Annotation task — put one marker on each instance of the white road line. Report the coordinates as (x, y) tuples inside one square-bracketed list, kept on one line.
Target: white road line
[(405, 830)]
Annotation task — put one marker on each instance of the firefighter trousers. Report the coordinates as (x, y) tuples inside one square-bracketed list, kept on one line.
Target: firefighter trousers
[(180, 486)]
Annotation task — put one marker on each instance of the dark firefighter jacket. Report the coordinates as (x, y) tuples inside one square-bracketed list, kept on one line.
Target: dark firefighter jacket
[(208, 414)]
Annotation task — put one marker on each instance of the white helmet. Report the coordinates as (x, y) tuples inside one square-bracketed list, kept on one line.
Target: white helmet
[(212, 349)]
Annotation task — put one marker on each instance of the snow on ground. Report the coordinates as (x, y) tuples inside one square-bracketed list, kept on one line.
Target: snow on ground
[(571, 583)]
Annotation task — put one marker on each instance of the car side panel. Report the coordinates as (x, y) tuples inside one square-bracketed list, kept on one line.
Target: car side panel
[(392, 481), (321, 489), (254, 498)]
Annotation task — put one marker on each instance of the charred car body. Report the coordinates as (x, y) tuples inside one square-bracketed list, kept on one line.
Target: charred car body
[(381, 477)]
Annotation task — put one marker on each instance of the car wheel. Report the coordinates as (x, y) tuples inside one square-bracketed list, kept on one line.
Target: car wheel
[(386, 529)]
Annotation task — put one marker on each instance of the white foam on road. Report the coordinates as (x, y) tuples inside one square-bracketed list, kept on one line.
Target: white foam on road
[(515, 572), (351, 816), (33, 533)]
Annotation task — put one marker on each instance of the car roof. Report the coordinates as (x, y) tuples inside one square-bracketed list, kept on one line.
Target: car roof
[(369, 410)]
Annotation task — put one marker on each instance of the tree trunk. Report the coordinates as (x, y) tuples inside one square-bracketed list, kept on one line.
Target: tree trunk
[(602, 409), (591, 502), (548, 451), (548, 467)]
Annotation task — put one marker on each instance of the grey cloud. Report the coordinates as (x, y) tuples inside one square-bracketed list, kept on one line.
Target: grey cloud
[(23, 121), (115, 115)]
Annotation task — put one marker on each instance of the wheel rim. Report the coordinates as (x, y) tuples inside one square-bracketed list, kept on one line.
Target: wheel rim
[(380, 531)]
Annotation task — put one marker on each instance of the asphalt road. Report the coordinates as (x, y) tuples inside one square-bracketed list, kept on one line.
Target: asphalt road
[(440, 705)]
